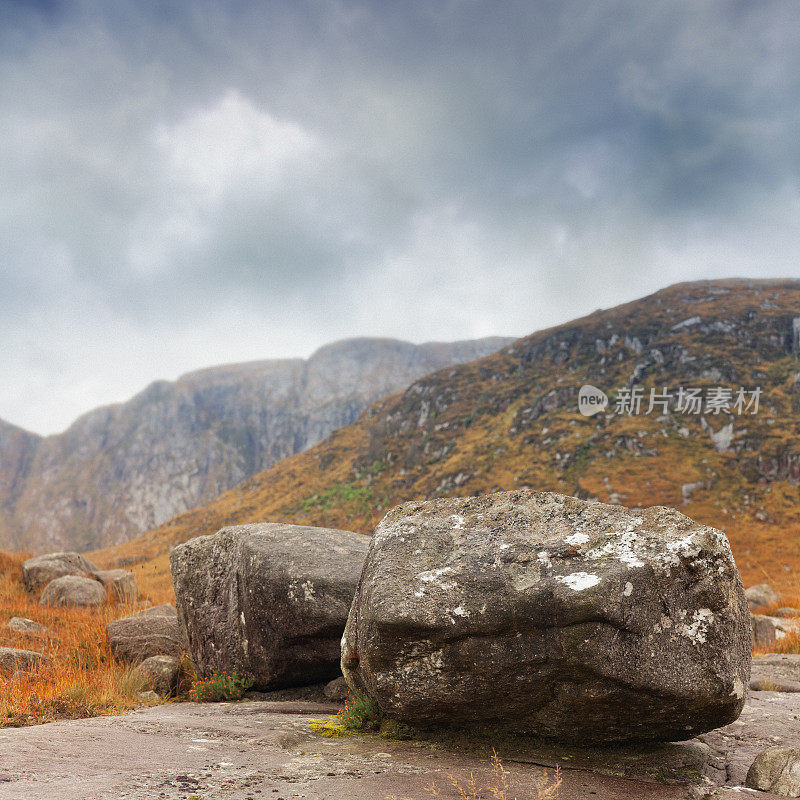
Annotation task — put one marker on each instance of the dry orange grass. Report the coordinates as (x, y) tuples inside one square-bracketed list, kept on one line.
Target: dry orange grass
[(82, 680)]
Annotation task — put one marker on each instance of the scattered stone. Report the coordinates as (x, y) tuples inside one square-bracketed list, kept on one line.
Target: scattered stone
[(73, 590), (120, 585), (134, 639), (149, 697), (27, 628), (768, 630), (337, 690), (268, 600), (776, 770), (787, 611), (160, 673), (548, 615), (39, 571), (13, 660), (762, 595)]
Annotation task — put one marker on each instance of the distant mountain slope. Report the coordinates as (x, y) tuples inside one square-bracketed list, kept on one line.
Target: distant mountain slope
[(510, 420), (122, 469)]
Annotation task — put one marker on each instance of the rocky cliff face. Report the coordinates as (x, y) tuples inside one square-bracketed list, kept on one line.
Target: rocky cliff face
[(122, 469)]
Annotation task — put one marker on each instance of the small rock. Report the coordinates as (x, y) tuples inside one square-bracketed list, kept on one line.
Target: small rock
[(73, 590), (27, 628), (160, 673), (768, 630), (149, 697), (776, 770), (134, 639), (336, 691), (787, 611), (761, 595), (120, 584), (39, 571), (13, 660)]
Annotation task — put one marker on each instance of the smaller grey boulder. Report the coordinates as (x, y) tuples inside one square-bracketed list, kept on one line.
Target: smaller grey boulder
[(776, 770), (27, 628), (787, 611), (159, 673), (39, 571), (761, 595), (149, 697), (337, 690), (120, 584), (134, 639), (14, 660), (73, 590)]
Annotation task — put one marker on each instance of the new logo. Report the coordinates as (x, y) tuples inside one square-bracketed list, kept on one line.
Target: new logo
[(591, 400)]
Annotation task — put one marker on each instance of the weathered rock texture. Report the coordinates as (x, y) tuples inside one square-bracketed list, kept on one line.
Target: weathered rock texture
[(136, 638), (267, 600), (39, 571), (73, 590), (549, 615), (126, 468)]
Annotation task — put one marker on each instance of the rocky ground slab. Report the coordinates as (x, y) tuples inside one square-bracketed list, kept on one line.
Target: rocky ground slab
[(265, 749)]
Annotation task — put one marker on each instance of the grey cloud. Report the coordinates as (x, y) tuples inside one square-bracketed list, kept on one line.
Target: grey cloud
[(417, 169)]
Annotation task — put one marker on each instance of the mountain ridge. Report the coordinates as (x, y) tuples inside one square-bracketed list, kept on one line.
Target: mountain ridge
[(126, 467)]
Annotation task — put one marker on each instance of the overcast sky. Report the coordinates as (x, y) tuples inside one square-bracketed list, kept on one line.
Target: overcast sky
[(191, 183)]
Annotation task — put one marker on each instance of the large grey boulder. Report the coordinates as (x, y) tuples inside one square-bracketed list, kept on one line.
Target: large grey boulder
[(39, 571), (73, 590), (548, 615), (268, 601), (776, 770), (14, 660), (136, 638), (119, 583)]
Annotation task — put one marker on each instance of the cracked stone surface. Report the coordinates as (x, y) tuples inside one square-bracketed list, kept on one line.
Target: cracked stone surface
[(264, 749)]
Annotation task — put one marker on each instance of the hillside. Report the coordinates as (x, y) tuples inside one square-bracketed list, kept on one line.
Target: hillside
[(122, 469), (510, 420)]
